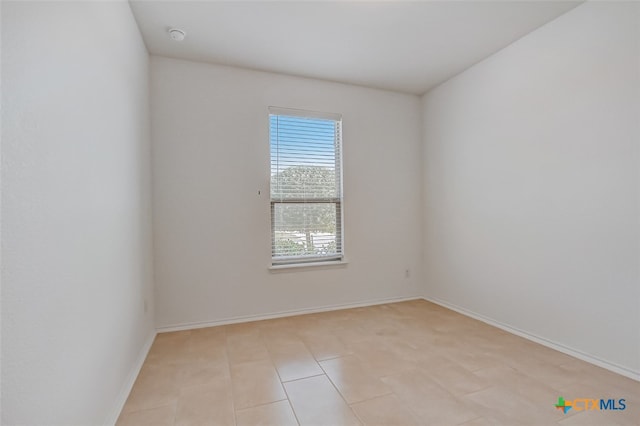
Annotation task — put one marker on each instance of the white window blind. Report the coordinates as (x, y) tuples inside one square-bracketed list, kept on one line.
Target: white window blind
[(306, 186)]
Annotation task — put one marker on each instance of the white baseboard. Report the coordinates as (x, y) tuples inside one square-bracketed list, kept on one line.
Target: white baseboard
[(281, 314), (624, 371), (113, 415)]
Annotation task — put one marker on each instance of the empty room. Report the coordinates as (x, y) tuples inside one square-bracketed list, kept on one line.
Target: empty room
[(320, 213)]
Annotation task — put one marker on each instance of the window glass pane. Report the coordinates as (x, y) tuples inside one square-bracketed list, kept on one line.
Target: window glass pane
[(306, 186), (303, 158), (304, 229)]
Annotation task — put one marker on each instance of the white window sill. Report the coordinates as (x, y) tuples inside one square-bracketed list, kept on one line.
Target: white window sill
[(308, 265)]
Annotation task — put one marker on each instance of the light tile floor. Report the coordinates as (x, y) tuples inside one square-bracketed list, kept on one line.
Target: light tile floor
[(397, 364)]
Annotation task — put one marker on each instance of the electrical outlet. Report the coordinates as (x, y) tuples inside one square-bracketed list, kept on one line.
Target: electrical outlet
[(407, 273)]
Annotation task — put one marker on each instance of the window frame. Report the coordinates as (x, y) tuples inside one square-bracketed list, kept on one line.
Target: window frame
[(313, 259)]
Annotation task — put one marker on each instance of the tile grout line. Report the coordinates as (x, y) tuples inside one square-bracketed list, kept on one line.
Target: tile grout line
[(303, 378), (226, 351), (290, 404)]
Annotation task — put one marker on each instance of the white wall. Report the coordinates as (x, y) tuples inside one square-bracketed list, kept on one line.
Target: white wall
[(76, 239), (531, 183), (212, 229)]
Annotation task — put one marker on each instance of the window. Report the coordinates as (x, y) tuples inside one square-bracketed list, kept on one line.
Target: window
[(306, 186)]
